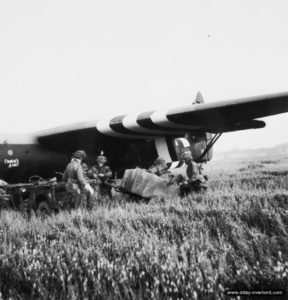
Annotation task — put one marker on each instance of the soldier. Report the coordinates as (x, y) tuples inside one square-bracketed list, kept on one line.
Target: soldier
[(89, 198), (159, 167), (76, 184), (102, 173), (194, 172), (85, 169)]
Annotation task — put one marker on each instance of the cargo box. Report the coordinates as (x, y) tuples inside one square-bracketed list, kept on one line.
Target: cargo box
[(147, 185)]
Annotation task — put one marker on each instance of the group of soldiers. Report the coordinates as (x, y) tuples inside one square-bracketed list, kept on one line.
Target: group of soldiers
[(85, 184), (193, 180)]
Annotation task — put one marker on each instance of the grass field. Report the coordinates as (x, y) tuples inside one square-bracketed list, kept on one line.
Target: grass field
[(232, 238)]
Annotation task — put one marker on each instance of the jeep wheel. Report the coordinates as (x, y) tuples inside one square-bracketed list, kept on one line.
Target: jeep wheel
[(44, 208)]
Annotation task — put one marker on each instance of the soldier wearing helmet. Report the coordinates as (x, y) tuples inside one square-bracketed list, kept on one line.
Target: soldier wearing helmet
[(192, 166), (77, 186), (187, 156), (159, 167), (194, 172), (102, 173)]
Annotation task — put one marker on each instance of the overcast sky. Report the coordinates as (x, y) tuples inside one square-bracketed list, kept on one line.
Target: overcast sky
[(69, 61)]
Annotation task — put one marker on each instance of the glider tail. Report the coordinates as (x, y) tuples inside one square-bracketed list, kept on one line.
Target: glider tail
[(199, 99)]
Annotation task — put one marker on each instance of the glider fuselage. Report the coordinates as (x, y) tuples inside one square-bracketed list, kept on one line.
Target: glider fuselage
[(20, 159)]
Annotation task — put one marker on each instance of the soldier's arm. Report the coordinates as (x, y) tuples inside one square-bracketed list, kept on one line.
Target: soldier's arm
[(108, 173), (80, 176), (90, 173), (201, 169)]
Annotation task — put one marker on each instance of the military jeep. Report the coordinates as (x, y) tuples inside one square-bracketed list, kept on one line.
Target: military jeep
[(39, 195)]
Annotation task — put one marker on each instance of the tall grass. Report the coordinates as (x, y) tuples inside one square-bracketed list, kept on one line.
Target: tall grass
[(233, 237)]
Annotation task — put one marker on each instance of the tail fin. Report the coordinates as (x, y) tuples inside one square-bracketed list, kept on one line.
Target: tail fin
[(199, 99)]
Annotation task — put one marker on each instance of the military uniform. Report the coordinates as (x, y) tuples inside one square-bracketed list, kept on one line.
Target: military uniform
[(196, 179), (155, 170), (76, 184), (89, 198), (192, 171), (101, 173), (85, 170), (159, 168)]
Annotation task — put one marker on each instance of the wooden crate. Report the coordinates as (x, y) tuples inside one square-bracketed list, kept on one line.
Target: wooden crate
[(147, 185)]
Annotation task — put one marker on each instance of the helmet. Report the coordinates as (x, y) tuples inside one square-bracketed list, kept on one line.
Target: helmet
[(79, 154), (101, 158), (159, 161), (187, 155)]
